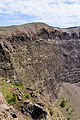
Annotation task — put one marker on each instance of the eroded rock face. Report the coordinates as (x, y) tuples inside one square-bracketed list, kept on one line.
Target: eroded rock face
[(43, 56), (6, 68)]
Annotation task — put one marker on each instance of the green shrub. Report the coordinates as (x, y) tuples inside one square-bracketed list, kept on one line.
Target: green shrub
[(51, 111), (68, 118), (64, 102), (2, 30), (67, 109), (73, 110), (19, 84), (12, 99), (28, 95), (57, 114)]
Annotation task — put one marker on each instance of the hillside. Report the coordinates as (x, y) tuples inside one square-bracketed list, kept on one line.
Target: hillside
[(43, 58)]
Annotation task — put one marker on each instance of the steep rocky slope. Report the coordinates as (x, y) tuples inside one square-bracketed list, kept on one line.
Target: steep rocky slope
[(19, 103), (41, 56), (8, 112), (72, 93)]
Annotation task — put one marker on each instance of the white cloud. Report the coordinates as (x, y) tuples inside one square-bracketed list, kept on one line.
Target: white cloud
[(55, 12)]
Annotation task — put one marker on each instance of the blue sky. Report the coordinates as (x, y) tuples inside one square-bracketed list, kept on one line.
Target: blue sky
[(58, 13)]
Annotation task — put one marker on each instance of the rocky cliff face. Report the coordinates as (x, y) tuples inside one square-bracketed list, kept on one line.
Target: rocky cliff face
[(42, 56), (8, 112)]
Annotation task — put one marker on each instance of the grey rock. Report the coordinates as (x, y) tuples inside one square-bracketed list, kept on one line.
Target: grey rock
[(26, 102), (19, 97)]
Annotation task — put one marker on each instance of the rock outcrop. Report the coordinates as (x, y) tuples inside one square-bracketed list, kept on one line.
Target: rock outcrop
[(6, 112), (35, 111)]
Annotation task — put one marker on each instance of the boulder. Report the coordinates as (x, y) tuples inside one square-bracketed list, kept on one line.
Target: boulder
[(19, 97), (26, 102), (35, 111)]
